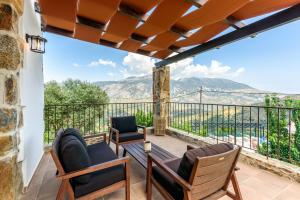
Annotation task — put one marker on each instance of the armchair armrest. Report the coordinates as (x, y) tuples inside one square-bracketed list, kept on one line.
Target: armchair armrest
[(96, 135), (183, 183), (94, 168), (114, 130)]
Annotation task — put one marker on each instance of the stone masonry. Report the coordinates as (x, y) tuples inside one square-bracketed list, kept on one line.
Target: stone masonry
[(161, 95), (11, 59)]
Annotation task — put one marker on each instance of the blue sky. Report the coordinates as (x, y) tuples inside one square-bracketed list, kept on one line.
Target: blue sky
[(270, 61)]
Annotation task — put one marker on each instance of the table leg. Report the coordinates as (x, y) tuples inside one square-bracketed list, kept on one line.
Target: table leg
[(124, 152)]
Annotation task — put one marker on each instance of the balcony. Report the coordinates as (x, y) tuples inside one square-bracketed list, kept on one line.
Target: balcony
[(209, 123), (165, 30)]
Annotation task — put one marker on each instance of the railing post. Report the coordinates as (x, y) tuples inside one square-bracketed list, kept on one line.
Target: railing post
[(161, 98)]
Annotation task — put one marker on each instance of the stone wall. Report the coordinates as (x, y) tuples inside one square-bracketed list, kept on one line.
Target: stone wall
[(11, 59), (248, 157), (161, 95)]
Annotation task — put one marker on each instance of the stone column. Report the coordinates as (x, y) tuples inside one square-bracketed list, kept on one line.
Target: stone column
[(11, 59), (161, 95)]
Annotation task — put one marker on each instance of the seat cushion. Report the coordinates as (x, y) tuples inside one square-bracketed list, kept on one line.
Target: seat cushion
[(99, 180), (74, 156), (76, 133), (190, 156), (100, 153), (124, 137), (124, 124), (166, 181)]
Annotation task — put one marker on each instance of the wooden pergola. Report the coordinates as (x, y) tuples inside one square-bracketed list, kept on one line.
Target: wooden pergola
[(160, 28), (170, 30)]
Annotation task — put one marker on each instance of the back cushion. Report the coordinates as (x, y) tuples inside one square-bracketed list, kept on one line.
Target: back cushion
[(75, 132), (74, 157), (56, 142), (124, 124), (190, 156)]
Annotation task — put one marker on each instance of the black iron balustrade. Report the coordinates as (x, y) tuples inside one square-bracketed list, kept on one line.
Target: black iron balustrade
[(270, 131), (92, 118)]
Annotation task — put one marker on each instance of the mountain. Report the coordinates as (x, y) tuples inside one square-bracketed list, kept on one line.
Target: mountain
[(140, 88)]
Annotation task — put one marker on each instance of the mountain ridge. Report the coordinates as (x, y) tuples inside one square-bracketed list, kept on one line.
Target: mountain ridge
[(140, 88)]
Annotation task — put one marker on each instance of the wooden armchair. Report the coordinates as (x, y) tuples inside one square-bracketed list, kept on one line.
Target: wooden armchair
[(124, 130), (106, 174), (209, 177)]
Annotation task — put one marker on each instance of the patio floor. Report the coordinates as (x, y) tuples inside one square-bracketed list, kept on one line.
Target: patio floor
[(256, 184)]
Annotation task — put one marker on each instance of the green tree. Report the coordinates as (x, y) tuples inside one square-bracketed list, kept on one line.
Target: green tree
[(144, 119), (280, 143), (74, 92), (296, 120), (53, 93), (74, 103)]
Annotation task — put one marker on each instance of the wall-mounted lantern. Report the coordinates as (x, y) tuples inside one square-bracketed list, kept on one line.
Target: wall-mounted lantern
[(37, 43), (37, 7)]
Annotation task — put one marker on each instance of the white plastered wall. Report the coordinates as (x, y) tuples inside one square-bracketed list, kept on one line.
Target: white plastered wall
[(32, 97)]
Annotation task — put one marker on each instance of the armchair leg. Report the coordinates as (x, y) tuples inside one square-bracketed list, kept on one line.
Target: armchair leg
[(127, 188), (236, 188), (109, 138), (187, 195), (149, 180), (117, 149), (149, 189), (61, 191), (70, 191)]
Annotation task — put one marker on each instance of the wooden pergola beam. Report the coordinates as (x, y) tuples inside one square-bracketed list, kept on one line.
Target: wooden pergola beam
[(234, 23), (197, 3), (278, 19), (231, 21)]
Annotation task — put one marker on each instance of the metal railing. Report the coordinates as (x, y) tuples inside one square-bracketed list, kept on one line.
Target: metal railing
[(270, 131), (92, 118)]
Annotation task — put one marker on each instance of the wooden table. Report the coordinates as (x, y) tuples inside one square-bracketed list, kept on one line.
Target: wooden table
[(136, 150)]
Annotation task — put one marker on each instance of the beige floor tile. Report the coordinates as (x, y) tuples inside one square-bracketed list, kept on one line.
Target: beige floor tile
[(270, 179), (292, 192), (261, 187)]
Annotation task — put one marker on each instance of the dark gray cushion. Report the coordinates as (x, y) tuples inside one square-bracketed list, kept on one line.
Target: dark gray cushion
[(100, 153), (190, 156), (124, 124), (124, 137), (74, 156), (99, 180), (166, 181), (76, 133), (56, 142)]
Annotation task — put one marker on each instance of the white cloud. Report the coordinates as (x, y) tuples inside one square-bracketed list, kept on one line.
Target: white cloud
[(103, 62), (187, 68), (139, 65), (110, 74), (75, 65)]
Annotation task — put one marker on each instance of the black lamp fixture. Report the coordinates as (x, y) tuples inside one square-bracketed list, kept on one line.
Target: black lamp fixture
[(37, 43), (37, 7)]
